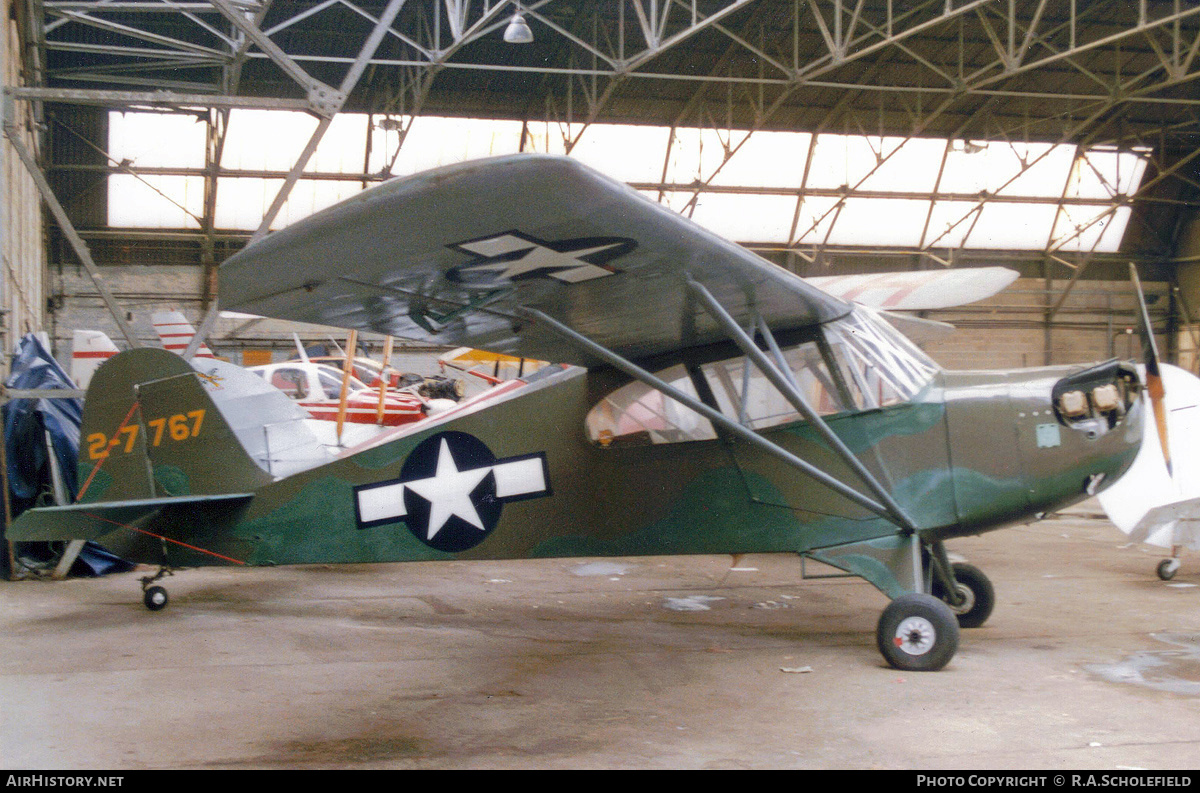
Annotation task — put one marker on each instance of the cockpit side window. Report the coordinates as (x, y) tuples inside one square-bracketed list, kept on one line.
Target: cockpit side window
[(637, 414), (745, 394)]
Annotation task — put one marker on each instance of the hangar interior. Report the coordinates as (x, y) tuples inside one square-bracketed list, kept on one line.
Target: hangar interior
[(831, 136), (147, 141)]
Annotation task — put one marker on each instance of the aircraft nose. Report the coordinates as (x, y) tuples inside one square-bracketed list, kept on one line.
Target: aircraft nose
[(1096, 400), (1079, 434), (1036, 440)]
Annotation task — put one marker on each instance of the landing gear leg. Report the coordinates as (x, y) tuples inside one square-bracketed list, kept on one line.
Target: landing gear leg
[(155, 597), (973, 598), (1167, 568), (916, 632)]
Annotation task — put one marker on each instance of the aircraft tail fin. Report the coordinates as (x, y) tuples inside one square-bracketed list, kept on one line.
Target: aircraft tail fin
[(175, 333), (152, 429), (89, 349)]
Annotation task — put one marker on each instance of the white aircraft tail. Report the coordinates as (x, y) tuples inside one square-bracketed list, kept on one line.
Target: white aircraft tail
[(89, 349), (175, 333)]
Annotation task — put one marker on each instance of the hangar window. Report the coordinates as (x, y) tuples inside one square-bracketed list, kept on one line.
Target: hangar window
[(767, 188)]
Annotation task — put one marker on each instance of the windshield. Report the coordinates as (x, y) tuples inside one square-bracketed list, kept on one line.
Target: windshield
[(880, 365)]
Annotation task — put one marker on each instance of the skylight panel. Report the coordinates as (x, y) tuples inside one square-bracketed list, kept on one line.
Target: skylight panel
[(1012, 226), (157, 140), (626, 152), (949, 223), (547, 137), (1105, 174), (749, 218), (815, 219), (769, 159), (1012, 169), (696, 154), (1089, 227), (760, 193), (887, 163), (880, 221), (434, 141), (246, 141), (242, 202), (911, 166), (155, 201)]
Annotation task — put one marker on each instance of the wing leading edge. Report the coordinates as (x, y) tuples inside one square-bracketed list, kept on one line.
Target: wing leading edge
[(453, 255)]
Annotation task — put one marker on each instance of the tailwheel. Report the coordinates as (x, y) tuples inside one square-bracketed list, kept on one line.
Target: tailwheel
[(917, 633), (1167, 568), (153, 596), (978, 597)]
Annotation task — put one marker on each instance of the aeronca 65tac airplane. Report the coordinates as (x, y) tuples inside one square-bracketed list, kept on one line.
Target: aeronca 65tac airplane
[(703, 401)]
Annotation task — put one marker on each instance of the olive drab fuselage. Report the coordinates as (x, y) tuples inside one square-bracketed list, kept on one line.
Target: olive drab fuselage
[(517, 475)]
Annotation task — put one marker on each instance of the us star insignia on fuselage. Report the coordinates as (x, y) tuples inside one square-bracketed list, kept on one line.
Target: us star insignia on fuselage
[(450, 491), (514, 256)]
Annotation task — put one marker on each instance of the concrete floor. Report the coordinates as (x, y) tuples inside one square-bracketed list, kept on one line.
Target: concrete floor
[(1089, 661)]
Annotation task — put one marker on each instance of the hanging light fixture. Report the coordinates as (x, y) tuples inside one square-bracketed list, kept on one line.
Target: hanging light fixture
[(518, 31)]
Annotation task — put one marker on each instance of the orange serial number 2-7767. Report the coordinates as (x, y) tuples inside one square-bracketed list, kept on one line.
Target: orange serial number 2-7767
[(179, 427)]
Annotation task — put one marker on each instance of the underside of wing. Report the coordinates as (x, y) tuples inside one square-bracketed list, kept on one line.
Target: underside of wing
[(457, 255)]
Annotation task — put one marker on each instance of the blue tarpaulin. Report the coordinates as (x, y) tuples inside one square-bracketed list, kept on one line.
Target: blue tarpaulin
[(27, 423)]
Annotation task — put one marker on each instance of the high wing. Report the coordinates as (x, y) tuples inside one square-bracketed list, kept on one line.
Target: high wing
[(456, 256)]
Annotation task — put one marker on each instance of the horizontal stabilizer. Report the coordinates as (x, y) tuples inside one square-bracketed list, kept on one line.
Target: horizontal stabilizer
[(89, 521), (1180, 518)]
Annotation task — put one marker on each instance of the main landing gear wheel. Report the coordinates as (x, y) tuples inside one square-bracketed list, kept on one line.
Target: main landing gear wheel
[(979, 597), (1167, 569), (155, 598), (917, 633)]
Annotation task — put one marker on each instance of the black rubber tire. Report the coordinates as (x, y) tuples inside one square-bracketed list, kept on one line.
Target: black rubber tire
[(1165, 571), (981, 595), (155, 598), (917, 633)]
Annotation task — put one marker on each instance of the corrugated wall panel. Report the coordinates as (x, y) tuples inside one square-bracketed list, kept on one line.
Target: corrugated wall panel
[(21, 240)]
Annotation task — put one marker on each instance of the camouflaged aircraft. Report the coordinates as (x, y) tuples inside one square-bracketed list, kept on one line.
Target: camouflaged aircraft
[(703, 401)]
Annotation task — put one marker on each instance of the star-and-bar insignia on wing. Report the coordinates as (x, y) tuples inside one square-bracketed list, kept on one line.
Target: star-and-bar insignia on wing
[(513, 256), (451, 490)]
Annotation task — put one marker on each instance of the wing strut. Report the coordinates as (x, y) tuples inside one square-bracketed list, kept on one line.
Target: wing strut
[(717, 417), (780, 377)]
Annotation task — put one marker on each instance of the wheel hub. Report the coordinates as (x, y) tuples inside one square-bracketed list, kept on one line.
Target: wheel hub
[(915, 635), (966, 597)]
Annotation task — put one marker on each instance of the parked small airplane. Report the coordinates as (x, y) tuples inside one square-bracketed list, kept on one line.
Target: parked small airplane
[(317, 388), (702, 401), (1154, 504), (175, 333), (89, 349)]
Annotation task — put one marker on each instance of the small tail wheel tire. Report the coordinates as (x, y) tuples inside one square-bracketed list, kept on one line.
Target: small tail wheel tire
[(978, 595), (917, 633), (1167, 569), (155, 598)]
